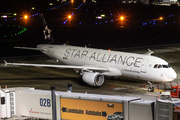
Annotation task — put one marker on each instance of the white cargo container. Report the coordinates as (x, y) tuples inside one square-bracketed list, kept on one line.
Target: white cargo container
[(141, 110), (34, 104), (37, 104), (80, 106), (167, 109), (8, 106), (94, 106), (3, 108)]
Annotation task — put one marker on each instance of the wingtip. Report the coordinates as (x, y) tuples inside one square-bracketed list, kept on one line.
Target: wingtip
[(5, 62), (150, 51)]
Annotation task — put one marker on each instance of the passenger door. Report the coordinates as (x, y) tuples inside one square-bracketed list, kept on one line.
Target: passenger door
[(144, 64)]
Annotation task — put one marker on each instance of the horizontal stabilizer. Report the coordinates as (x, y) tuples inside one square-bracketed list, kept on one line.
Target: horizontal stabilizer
[(28, 48)]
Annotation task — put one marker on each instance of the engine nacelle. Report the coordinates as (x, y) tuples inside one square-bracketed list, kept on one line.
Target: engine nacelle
[(94, 79)]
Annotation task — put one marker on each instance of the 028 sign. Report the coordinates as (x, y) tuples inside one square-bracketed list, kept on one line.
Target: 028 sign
[(45, 102)]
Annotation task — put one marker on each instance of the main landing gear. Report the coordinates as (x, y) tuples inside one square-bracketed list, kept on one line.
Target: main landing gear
[(151, 88)]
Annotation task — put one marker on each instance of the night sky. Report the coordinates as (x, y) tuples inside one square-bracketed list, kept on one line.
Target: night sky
[(94, 24)]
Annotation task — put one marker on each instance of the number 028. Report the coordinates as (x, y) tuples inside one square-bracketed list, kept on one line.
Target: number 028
[(45, 102)]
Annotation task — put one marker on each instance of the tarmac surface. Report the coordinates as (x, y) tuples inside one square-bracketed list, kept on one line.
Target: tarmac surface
[(44, 78)]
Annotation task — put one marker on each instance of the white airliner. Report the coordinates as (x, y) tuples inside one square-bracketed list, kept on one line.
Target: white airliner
[(94, 64)]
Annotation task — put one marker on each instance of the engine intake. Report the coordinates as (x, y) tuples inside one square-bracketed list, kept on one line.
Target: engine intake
[(93, 79)]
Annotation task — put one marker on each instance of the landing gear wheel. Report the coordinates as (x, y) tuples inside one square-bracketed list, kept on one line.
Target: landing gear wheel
[(151, 89)]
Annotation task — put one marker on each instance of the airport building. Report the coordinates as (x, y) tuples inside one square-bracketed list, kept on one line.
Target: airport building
[(30, 104)]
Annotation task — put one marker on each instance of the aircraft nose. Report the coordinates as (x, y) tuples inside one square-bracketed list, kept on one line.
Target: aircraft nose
[(172, 75)]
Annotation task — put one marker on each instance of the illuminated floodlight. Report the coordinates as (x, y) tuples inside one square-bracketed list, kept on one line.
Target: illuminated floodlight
[(50, 3), (99, 17), (4, 16), (161, 18), (25, 17), (33, 8), (15, 14), (69, 16), (72, 1), (121, 18), (102, 15)]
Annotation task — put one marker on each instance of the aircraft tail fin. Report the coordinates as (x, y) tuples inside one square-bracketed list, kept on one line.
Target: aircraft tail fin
[(46, 31)]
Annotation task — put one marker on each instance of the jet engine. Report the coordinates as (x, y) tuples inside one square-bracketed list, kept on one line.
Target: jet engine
[(94, 79)]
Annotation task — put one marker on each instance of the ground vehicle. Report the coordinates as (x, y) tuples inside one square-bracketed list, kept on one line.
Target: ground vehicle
[(165, 96), (115, 116), (175, 91)]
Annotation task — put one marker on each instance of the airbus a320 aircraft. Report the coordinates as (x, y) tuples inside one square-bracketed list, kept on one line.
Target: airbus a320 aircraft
[(94, 64)]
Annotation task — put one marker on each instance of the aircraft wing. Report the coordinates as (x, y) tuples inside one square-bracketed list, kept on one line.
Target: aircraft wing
[(85, 68), (28, 48)]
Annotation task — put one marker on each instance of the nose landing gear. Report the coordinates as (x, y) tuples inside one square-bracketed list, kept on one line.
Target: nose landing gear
[(151, 88)]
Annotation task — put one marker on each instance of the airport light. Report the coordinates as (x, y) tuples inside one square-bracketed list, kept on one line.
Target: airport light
[(102, 15), (25, 17), (4, 16), (69, 16), (99, 17), (23, 30), (161, 18), (121, 18)]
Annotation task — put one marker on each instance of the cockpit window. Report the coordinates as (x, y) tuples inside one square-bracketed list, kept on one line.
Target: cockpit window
[(155, 66), (161, 66), (165, 66), (169, 66)]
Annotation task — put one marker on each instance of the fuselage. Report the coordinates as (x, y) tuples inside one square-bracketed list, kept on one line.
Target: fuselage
[(138, 66)]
